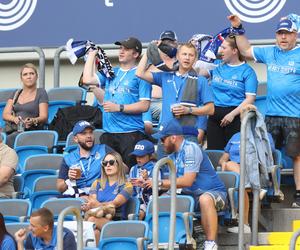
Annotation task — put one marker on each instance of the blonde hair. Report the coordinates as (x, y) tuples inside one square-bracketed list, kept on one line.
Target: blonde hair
[(121, 170), (189, 45), (30, 66)]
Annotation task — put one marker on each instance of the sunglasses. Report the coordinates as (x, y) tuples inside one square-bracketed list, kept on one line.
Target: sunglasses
[(110, 162)]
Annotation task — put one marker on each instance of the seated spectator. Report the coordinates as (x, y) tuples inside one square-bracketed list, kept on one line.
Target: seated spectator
[(110, 189), (43, 233), (230, 161), (6, 240), (81, 167), (142, 171), (195, 176), (27, 108), (8, 165)]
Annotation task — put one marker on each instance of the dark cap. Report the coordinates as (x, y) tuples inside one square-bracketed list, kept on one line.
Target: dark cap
[(80, 126), (286, 24), (168, 34), (172, 127), (131, 43)]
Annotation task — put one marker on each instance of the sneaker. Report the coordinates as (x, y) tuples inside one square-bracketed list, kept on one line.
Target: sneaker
[(262, 193), (235, 230), (296, 203), (210, 245)]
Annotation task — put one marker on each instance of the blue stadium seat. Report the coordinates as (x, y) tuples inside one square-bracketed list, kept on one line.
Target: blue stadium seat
[(76, 94), (37, 198), (214, 156), (15, 210), (55, 105), (125, 235)]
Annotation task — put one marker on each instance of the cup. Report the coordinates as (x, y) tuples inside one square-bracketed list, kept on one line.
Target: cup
[(174, 105), (76, 168), (21, 126)]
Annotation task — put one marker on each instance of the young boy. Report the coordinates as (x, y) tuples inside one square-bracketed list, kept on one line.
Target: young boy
[(143, 151)]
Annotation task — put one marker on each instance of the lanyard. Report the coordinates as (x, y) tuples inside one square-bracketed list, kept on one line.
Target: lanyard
[(177, 90), (87, 170), (116, 83)]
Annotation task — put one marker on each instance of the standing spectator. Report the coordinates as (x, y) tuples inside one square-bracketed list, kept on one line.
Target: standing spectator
[(233, 84), (43, 233), (86, 159), (27, 108), (123, 98), (8, 165), (6, 240), (283, 88), (185, 96), (195, 176)]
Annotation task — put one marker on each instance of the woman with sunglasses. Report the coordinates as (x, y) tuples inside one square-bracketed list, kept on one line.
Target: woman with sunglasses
[(234, 84), (110, 189)]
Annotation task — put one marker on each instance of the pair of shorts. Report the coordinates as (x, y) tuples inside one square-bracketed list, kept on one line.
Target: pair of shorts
[(285, 132)]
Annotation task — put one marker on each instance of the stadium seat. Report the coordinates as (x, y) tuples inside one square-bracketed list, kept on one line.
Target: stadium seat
[(55, 105), (125, 235), (18, 186), (76, 94), (132, 208), (15, 210), (184, 211), (2, 106), (37, 198), (46, 138), (5, 94), (43, 161), (214, 156), (71, 144), (30, 181), (57, 205), (13, 227)]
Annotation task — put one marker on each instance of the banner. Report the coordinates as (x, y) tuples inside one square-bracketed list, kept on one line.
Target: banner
[(50, 23)]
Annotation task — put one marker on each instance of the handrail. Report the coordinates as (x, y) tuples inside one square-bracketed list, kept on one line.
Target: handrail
[(31, 49), (172, 178), (294, 238), (244, 123), (56, 65), (60, 223)]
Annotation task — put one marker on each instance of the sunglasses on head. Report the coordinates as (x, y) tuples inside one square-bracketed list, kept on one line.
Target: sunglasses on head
[(110, 162)]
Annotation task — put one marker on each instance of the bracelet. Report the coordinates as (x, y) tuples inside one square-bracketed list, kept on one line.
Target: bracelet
[(121, 107), (35, 121)]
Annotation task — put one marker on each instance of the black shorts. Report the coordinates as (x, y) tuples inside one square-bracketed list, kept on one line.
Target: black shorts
[(285, 132)]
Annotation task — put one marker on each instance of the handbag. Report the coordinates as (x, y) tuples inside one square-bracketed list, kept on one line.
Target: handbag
[(11, 127)]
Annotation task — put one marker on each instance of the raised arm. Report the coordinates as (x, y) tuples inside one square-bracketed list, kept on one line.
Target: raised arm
[(142, 71), (241, 40)]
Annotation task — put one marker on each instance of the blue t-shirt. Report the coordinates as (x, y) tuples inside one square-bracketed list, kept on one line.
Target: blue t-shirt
[(231, 83), (8, 243), (234, 144), (125, 88), (283, 80), (192, 159), (90, 166), (172, 90), (69, 242)]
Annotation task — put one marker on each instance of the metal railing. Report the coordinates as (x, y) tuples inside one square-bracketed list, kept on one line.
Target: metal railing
[(246, 121), (294, 238), (172, 178), (60, 225), (31, 49)]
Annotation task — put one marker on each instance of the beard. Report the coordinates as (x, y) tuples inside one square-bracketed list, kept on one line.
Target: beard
[(169, 149), (85, 146)]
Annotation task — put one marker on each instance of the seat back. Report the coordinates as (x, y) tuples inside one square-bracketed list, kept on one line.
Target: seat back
[(48, 138), (18, 183), (214, 156), (37, 198), (15, 208), (5, 94), (76, 94), (55, 105), (14, 227), (132, 208), (43, 161), (97, 134), (57, 205), (230, 179), (44, 183)]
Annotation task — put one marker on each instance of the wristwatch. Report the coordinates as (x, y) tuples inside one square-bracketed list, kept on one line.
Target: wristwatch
[(121, 107), (190, 110)]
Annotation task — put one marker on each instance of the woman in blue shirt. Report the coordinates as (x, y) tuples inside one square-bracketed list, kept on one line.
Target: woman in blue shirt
[(6, 240), (111, 189), (234, 83)]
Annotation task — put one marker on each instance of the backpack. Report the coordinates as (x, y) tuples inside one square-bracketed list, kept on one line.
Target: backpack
[(66, 118)]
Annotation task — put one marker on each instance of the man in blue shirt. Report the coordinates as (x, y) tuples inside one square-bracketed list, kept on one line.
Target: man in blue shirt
[(43, 233), (86, 159), (195, 176), (283, 88), (123, 99)]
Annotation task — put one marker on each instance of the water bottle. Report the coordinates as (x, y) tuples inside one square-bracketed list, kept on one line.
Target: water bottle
[(21, 125)]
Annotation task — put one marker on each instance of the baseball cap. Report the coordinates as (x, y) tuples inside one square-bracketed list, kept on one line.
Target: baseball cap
[(172, 127), (131, 43), (168, 34), (80, 126), (143, 147), (286, 24)]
